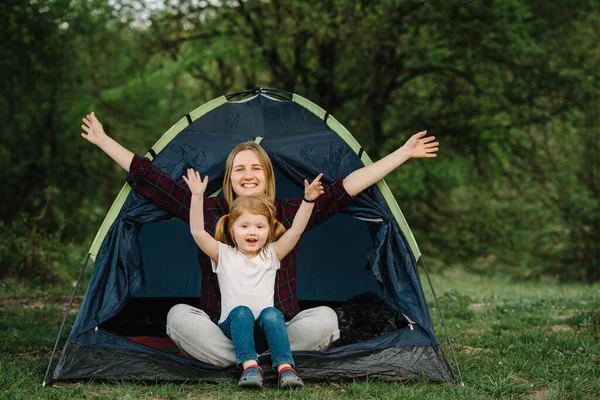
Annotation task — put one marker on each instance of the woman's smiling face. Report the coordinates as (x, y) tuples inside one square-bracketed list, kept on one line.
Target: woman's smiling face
[(247, 174)]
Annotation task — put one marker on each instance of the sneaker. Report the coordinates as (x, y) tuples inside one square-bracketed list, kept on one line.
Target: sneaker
[(252, 377), (288, 378)]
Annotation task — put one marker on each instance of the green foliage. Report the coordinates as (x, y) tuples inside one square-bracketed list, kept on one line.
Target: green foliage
[(29, 252), (521, 186), (510, 88)]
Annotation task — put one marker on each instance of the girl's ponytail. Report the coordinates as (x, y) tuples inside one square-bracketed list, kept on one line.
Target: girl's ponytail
[(222, 233), (277, 231)]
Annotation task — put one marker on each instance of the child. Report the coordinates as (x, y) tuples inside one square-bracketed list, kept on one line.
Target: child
[(245, 252)]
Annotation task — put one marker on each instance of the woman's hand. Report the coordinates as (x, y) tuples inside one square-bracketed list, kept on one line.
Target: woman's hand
[(196, 185), (93, 127), (313, 190), (419, 146)]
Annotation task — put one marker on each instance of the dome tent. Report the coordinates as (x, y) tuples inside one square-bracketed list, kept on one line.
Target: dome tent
[(145, 262)]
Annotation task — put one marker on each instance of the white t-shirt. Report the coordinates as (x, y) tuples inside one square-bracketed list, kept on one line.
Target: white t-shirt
[(245, 282)]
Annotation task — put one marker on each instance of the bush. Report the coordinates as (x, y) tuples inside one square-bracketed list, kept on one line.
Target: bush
[(29, 253)]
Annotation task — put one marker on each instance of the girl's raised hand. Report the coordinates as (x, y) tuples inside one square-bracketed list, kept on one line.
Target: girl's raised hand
[(313, 190), (197, 186), (95, 132), (419, 146)]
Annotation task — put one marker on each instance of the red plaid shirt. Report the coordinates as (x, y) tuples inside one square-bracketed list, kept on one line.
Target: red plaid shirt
[(158, 186)]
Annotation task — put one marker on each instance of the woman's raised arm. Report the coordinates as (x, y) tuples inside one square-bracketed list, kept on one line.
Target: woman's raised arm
[(418, 146), (96, 135)]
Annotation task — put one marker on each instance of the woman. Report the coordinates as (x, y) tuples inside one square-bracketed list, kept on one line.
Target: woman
[(248, 170)]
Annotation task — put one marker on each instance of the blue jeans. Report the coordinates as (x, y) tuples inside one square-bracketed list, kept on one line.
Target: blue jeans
[(239, 327)]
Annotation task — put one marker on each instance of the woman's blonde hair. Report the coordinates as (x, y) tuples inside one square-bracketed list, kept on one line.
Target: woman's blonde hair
[(265, 162), (257, 203)]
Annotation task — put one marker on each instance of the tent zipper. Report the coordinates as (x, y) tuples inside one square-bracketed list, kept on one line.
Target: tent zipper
[(410, 322)]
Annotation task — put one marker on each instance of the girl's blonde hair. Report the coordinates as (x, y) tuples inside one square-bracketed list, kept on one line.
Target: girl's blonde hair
[(265, 162), (257, 203)]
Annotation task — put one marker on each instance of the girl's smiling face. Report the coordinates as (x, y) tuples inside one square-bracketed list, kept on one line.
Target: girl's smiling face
[(250, 233)]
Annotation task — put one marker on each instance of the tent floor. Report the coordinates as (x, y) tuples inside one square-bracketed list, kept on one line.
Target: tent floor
[(148, 316), (144, 319)]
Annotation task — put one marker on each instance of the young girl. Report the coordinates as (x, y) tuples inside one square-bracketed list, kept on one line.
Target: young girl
[(249, 243)]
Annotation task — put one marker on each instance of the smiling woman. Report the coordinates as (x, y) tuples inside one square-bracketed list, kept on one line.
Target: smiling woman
[(248, 170)]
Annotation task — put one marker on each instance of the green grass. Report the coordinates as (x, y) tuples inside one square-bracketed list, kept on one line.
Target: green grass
[(513, 340)]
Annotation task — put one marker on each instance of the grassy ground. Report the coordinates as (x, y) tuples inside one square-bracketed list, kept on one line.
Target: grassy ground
[(529, 340)]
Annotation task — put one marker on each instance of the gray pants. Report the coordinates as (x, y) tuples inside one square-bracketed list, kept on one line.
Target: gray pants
[(196, 335)]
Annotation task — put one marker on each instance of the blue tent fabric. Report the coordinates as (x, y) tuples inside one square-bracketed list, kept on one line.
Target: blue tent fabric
[(300, 145)]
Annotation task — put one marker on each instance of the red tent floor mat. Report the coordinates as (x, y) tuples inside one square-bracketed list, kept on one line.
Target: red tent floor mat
[(160, 343)]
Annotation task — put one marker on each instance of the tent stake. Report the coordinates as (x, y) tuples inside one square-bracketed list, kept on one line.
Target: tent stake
[(443, 322), (62, 326)]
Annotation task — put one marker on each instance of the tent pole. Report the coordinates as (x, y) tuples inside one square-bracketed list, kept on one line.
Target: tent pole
[(62, 326), (271, 91), (443, 321)]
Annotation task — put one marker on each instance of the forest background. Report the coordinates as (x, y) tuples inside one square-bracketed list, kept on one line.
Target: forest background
[(509, 87)]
